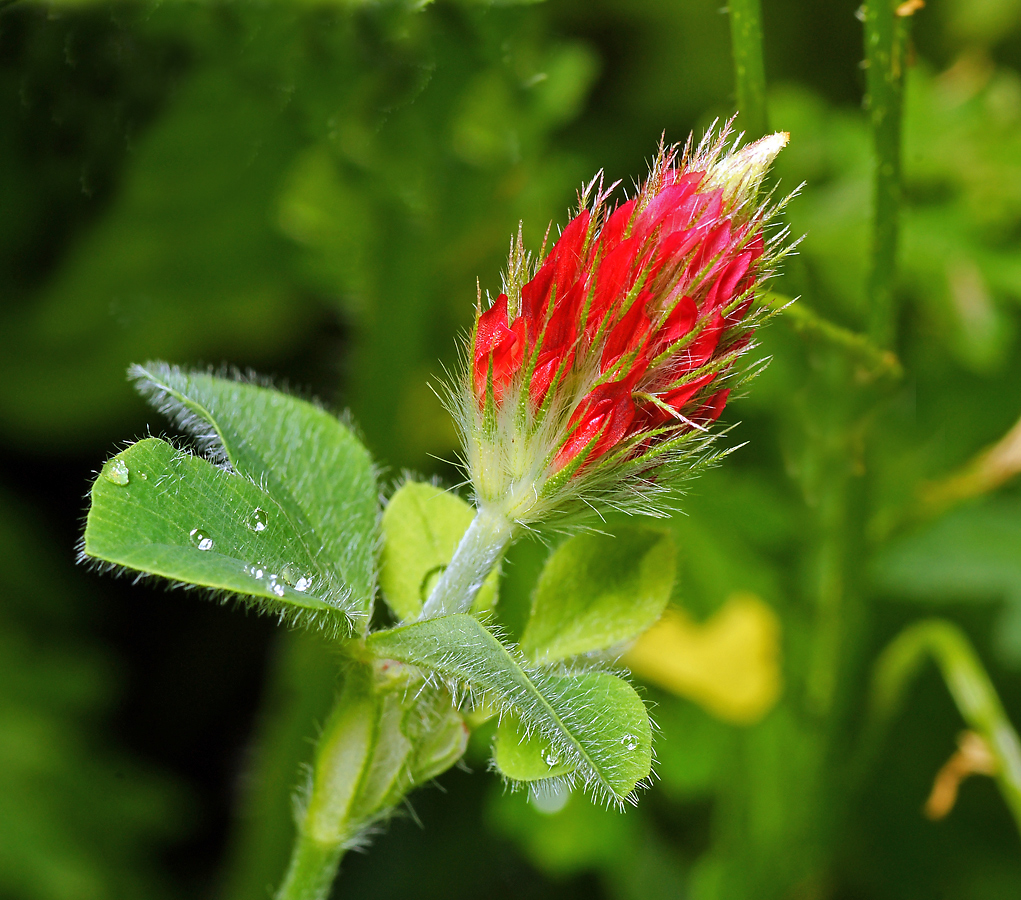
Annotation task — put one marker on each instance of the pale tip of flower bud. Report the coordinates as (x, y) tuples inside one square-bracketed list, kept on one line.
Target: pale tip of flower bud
[(739, 174)]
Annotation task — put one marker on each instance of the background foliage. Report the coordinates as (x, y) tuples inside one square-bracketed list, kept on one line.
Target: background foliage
[(311, 190)]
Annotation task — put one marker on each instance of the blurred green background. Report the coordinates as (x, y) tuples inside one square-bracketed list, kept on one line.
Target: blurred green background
[(310, 190)]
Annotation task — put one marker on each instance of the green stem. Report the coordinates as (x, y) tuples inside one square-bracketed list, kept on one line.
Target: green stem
[(749, 69), (877, 362), (969, 685), (885, 44), (312, 870), (343, 756), (480, 549)]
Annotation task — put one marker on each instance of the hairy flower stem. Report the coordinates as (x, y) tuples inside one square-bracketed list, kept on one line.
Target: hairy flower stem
[(343, 755), (480, 549)]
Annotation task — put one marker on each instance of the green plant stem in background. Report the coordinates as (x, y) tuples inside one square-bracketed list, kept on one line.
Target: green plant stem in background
[(969, 685), (878, 363), (830, 588), (343, 756), (886, 33), (749, 69), (480, 549)]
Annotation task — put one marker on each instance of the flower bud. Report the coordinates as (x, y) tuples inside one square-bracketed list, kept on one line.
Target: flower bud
[(608, 359)]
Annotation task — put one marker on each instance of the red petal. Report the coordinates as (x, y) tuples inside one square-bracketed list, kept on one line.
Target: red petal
[(613, 280), (698, 352), (679, 396), (567, 252), (612, 232), (711, 411), (560, 268), (494, 340), (546, 369), (722, 292), (628, 333), (562, 327), (492, 323), (535, 294), (714, 243), (681, 320), (656, 417), (672, 249), (603, 415)]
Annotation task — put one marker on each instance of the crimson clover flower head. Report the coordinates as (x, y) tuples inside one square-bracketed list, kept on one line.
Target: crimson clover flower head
[(595, 375)]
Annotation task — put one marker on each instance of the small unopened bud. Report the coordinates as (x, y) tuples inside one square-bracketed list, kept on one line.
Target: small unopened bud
[(740, 174)]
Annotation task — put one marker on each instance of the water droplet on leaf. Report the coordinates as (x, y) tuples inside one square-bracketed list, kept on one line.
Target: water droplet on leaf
[(629, 741), (258, 520), (200, 539), (275, 586), (117, 472), (303, 583), (550, 758)]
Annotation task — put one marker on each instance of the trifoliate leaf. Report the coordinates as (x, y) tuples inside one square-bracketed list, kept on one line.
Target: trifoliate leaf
[(307, 459)]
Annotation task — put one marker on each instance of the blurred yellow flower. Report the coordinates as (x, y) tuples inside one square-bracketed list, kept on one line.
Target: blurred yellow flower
[(729, 664)]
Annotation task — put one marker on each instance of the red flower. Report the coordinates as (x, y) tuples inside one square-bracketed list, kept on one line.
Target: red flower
[(624, 338)]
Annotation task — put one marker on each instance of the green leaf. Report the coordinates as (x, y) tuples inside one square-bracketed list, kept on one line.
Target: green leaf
[(316, 469), (164, 512), (422, 525), (594, 720), (521, 756), (598, 590)]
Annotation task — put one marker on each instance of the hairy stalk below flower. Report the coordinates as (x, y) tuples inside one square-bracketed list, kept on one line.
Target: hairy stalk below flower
[(479, 550)]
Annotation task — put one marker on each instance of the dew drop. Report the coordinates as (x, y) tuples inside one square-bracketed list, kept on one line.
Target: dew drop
[(303, 583), (629, 741), (290, 574), (117, 472), (275, 586), (258, 520), (200, 539)]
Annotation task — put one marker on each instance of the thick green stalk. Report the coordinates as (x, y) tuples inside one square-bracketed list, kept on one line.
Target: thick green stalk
[(969, 685), (886, 35), (749, 68), (480, 549), (343, 757)]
